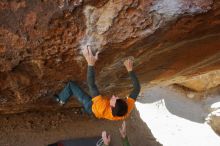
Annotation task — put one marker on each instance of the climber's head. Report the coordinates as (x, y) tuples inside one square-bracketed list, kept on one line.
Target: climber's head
[(119, 106)]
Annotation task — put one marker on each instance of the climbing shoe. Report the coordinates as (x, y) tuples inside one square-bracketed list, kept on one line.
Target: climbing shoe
[(58, 100)]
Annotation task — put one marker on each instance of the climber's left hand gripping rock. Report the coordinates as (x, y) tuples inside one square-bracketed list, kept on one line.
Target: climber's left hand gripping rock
[(90, 58)]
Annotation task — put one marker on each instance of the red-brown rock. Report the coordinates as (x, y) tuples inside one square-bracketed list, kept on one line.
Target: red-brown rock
[(41, 42)]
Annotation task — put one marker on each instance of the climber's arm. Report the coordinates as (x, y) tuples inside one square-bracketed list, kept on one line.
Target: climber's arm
[(91, 59), (125, 141), (124, 137), (106, 138), (93, 90), (136, 85)]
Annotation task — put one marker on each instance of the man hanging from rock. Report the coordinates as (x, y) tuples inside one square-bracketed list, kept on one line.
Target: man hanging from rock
[(113, 108)]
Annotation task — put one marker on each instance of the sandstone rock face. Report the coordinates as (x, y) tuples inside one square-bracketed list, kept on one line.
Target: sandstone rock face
[(214, 117), (202, 82), (41, 43), (215, 122)]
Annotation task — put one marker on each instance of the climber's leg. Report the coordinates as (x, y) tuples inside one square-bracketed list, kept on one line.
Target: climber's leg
[(72, 89)]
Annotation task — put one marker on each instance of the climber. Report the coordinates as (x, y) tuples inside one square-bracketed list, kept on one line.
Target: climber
[(106, 138), (113, 108)]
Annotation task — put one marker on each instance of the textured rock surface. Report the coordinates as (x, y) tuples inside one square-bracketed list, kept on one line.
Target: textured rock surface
[(41, 42), (203, 82), (215, 122), (214, 117)]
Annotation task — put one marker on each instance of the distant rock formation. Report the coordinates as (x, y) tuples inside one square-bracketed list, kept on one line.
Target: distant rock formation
[(214, 117)]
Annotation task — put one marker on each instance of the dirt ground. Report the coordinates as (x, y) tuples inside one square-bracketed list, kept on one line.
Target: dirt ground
[(41, 129)]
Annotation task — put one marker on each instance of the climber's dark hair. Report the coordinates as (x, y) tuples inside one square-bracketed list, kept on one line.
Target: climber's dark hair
[(120, 109)]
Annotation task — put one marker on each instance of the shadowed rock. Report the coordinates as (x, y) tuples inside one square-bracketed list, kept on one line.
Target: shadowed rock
[(41, 42)]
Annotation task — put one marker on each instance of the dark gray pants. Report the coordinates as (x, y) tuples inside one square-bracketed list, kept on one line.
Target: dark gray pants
[(72, 89)]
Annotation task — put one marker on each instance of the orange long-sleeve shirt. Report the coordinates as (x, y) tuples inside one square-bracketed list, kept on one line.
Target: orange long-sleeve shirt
[(102, 109)]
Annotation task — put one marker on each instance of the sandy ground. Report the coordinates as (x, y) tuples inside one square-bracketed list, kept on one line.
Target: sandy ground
[(40, 129), (176, 120)]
